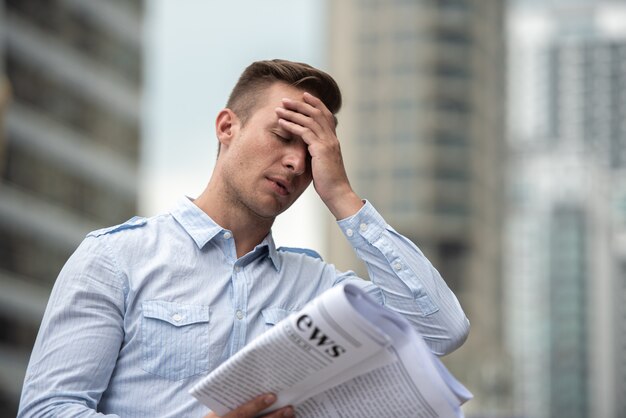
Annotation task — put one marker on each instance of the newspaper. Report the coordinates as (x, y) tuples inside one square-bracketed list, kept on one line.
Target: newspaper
[(342, 355)]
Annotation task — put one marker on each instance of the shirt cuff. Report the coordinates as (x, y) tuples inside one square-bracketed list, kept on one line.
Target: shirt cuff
[(364, 227)]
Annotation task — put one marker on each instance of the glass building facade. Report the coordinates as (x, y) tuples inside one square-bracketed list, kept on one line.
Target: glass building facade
[(69, 150), (423, 134), (565, 232)]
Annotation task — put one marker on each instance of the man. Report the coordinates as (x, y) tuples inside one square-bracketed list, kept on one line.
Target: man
[(143, 310)]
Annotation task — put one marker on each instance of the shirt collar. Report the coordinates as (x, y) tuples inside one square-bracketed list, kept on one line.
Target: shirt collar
[(272, 252), (195, 221), (202, 229)]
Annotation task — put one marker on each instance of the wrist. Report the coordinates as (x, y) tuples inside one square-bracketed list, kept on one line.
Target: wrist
[(345, 205)]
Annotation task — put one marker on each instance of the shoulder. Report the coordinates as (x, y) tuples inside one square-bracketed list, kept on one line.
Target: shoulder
[(300, 251), (133, 223), (138, 236), (296, 260)]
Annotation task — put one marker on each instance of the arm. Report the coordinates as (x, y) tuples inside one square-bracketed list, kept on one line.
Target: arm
[(79, 339), (403, 279), (313, 122)]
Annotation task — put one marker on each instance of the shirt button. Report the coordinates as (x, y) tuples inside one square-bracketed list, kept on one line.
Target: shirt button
[(349, 232), (363, 227), (177, 317), (239, 314), (227, 235), (397, 266), (237, 269)]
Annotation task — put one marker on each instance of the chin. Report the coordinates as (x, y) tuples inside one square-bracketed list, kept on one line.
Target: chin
[(274, 213), (268, 212)]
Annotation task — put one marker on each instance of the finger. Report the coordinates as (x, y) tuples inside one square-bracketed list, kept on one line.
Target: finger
[(251, 408), (307, 135), (285, 412), (300, 106), (319, 104), (311, 106), (316, 110), (299, 119)]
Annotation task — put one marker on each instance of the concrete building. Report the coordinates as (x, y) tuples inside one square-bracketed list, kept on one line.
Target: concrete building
[(565, 254), (69, 150), (423, 134)]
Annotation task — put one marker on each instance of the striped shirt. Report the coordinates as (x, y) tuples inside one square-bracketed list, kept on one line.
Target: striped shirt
[(144, 309)]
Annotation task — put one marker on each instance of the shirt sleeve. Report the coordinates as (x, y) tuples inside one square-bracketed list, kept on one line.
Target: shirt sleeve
[(79, 338), (404, 280)]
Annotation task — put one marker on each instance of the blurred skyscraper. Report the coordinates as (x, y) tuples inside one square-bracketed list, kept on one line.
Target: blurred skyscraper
[(69, 152), (566, 268), (423, 134)]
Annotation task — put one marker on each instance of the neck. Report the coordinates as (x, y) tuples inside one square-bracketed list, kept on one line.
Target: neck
[(248, 228)]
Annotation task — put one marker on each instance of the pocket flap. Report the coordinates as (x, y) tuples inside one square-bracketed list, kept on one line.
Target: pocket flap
[(177, 314), (273, 316)]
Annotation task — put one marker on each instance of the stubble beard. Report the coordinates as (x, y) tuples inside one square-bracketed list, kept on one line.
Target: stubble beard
[(246, 204)]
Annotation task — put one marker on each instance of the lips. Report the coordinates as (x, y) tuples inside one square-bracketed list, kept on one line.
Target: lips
[(281, 186)]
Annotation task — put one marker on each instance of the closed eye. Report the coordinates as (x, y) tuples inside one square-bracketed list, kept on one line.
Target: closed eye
[(283, 138)]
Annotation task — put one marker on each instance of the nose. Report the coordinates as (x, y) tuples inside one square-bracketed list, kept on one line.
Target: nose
[(296, 159)]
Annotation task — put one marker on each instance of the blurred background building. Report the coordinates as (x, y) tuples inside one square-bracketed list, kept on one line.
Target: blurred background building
[(423, 134), (69, 150), (565, 268)]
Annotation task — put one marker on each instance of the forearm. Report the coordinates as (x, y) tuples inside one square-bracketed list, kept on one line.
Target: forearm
[(406, 281), (59, 407)]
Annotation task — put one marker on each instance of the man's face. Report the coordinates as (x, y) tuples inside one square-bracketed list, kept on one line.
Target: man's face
[(266, 168)]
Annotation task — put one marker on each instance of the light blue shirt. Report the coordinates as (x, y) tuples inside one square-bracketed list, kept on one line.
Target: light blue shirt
[(143, 310)]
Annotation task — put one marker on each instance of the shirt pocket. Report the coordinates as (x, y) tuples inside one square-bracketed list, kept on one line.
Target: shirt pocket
[(175, 339), (273, 316)]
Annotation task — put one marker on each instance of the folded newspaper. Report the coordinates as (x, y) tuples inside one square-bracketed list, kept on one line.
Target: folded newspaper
[(342, 355)]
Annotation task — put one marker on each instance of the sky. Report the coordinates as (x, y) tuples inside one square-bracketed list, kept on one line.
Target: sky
[(195, 51)]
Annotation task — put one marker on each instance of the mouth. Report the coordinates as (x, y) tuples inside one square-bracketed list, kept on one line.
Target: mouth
[(280, 186)]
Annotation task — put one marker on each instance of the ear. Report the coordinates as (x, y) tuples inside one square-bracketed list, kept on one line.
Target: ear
[(226, 126)]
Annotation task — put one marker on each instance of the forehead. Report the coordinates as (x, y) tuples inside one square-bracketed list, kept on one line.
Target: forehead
[(273, 94)]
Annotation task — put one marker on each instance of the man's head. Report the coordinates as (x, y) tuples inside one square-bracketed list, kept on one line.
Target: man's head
[(258, 76), (262, 168)]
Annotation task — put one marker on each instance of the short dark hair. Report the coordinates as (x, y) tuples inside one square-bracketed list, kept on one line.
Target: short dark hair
[(259, 75)]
